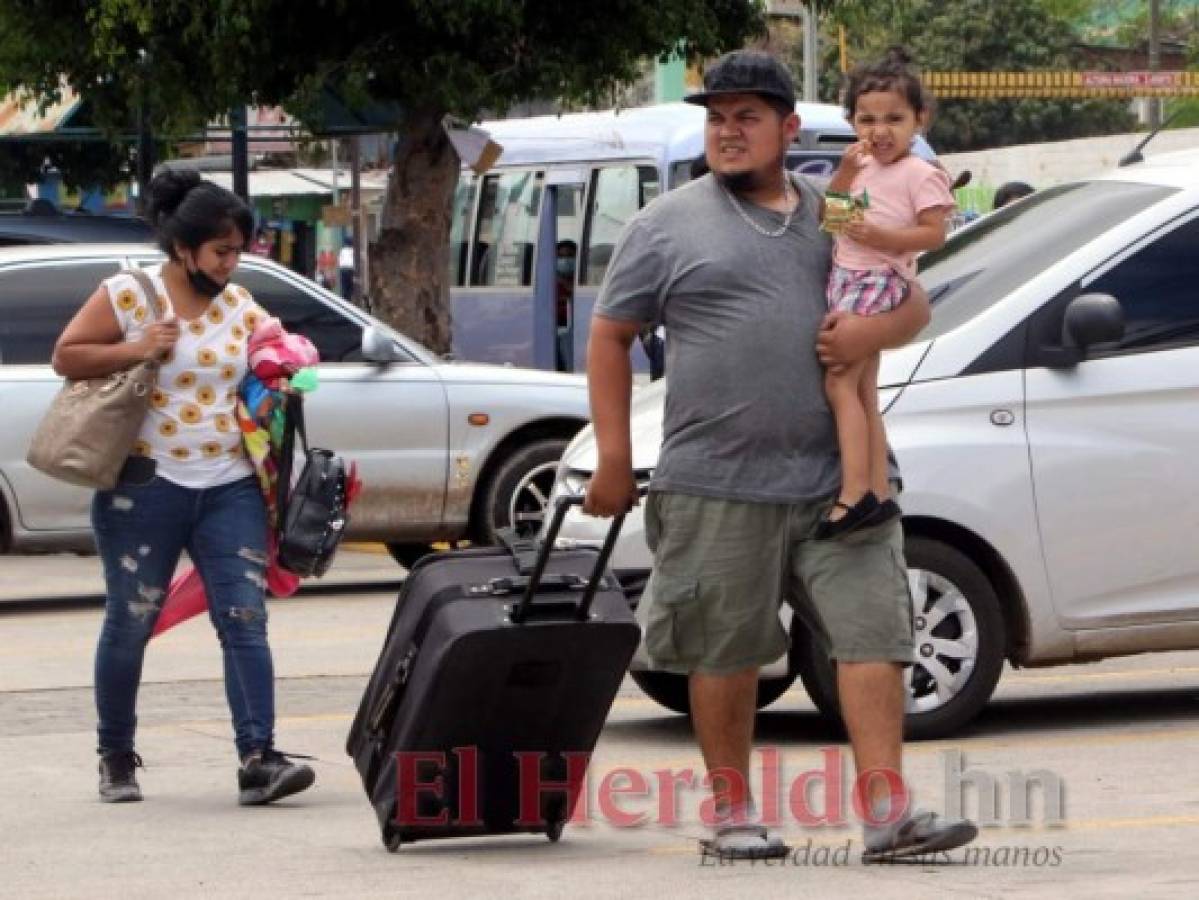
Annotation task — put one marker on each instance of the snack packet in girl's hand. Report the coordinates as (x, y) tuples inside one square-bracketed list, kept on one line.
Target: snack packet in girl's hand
[(842, 210)]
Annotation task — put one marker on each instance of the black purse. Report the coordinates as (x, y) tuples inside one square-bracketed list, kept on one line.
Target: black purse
[(311, 516)]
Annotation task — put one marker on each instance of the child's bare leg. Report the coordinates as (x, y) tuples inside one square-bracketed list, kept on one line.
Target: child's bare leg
[(853, 434), (868, 397)]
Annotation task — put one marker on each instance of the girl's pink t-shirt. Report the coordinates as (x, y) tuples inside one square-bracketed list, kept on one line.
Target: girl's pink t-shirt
[(898, 192)]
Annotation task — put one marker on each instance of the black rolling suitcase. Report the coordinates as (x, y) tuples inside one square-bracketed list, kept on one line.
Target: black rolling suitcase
[(498, 671)]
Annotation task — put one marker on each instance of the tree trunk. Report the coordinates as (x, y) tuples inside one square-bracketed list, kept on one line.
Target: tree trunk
[(409, 263)]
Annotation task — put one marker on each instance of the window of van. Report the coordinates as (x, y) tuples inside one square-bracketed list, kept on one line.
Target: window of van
[(569, 231), (982, 264), (617, 192), (464, 208), (570, 214), (509, 209)]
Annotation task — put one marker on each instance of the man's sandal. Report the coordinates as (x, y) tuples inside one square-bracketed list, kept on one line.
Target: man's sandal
[(920, 834), (744, 842)]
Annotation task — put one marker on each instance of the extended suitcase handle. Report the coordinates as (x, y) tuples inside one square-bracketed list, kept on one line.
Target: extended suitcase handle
[(521, 612)]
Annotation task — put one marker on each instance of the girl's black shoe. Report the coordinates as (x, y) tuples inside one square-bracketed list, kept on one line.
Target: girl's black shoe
[(861, 513)]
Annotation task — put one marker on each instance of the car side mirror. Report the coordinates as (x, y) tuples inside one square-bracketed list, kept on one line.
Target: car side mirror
[(377, 347), (1090, 320)]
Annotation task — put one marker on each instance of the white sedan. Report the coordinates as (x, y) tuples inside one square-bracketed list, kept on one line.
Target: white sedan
[(446, 450)]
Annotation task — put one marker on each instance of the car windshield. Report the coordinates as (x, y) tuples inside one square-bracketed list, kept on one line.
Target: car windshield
[(981, 265)]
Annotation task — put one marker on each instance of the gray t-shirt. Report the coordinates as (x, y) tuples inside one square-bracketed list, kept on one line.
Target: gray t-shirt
[(746, 415)]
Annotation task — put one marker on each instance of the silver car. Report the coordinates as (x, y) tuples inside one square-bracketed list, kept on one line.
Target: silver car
[(446, 451)]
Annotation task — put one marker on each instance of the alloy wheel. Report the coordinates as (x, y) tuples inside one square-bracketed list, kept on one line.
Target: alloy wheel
[(526, 509), (946, 642)]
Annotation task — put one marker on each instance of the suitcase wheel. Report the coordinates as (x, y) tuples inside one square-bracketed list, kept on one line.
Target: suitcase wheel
[(392, 839), (554, 830)]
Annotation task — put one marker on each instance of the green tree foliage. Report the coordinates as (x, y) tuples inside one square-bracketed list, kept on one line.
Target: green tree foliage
[(1079, 12), (458, 57), (1178, 22), (190, 60), (983, 36)]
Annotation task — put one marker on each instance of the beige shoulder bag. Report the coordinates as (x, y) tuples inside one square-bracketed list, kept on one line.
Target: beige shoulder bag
[(87, 434)]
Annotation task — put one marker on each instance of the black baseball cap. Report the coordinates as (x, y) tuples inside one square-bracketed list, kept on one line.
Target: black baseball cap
[(746, 72)]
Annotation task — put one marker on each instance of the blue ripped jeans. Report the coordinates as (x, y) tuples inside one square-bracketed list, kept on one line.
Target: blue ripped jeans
[(141, 530)]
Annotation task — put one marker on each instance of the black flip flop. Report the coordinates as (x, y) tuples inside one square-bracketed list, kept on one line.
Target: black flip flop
[(855, 517), (887, 510)]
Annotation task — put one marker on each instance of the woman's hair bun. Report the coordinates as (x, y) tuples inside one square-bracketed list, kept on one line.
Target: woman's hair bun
[(898, 56), (166, 191)]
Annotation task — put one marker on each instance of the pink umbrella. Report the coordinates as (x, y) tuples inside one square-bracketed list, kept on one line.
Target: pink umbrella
[(186, 596)]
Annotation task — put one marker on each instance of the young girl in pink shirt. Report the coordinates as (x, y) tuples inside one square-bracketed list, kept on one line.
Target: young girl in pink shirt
[(902, 204)]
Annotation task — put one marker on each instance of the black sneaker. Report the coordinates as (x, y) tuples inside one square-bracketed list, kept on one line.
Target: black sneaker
[(117, 781), (270, 776)]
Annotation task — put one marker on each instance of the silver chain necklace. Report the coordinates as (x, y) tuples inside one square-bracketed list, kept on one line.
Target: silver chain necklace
[(782, 229)]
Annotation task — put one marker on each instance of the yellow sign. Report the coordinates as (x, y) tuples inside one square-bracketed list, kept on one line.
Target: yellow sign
[(1051, 85), (335, 216)]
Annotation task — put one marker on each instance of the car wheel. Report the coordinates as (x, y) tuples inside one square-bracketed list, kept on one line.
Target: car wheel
[(670, 690), (959, 638), (518, 491)]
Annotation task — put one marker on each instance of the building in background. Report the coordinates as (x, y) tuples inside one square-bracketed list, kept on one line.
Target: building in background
[(299, 224)]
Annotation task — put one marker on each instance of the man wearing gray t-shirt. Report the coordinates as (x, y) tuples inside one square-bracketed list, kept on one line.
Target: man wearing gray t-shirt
[(734, 264)]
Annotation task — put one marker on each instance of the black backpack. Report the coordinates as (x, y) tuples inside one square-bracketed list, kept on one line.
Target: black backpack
[(311, 517)]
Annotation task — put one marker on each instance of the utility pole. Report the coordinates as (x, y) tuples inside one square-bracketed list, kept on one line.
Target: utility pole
[(145, 156), (145, 137), (1155, 62), (239, 145), (806, 14), (810, 49), (333, 155), (357, 216)]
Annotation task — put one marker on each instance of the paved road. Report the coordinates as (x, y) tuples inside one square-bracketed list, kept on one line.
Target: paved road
[(1121, 735)]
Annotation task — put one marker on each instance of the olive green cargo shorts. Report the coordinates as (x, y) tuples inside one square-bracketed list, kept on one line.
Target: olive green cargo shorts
[(722, 566)]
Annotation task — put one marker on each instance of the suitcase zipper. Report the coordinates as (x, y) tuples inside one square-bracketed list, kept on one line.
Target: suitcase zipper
[(394, 689), (404, 669)]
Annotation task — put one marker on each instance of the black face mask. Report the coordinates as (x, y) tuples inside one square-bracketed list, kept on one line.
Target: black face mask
[(203, 284)]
